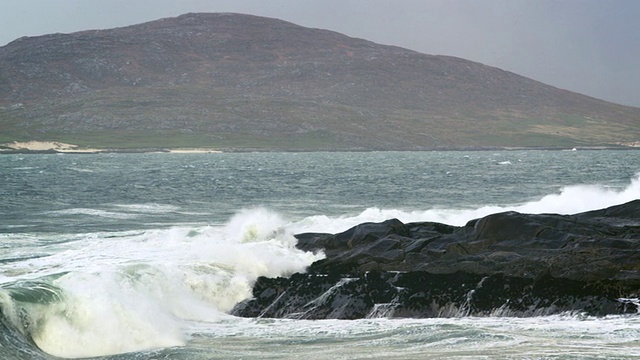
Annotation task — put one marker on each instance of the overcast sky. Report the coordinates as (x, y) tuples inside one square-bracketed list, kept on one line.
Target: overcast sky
[(587, 46)]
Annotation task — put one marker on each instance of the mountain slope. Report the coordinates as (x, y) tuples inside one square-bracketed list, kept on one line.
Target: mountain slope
[(246, 82)]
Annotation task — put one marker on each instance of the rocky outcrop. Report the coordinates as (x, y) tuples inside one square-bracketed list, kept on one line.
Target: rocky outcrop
[(503, 264)]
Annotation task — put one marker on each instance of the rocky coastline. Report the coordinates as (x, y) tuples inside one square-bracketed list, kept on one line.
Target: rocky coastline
[(505, 264)]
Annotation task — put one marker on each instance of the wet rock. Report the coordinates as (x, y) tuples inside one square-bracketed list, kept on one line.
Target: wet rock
[(506, 264)]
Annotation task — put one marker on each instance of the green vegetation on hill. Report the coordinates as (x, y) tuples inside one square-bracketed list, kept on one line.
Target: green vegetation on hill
[(242, 82)]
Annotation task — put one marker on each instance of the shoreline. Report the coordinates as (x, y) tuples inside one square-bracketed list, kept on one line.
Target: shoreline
[(54, 147)]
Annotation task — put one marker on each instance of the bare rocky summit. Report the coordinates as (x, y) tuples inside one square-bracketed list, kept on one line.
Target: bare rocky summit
[(245, 82)]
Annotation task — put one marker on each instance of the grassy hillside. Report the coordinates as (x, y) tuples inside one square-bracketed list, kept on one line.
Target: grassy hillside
[(239, 82)]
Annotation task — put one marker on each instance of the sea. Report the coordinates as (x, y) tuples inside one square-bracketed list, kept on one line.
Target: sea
[(143, 256)]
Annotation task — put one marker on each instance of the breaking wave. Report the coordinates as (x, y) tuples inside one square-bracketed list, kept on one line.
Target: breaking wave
[(129, 293), (569, 200), (120, 292)]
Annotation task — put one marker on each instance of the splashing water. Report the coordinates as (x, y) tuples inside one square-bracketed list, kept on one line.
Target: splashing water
[(570, 200), (150, 251), (135, 292)]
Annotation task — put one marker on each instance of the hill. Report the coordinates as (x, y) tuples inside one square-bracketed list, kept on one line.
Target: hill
[(242, 82)]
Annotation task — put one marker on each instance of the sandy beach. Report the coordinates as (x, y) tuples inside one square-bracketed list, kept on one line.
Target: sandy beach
[(48, 146), (60, 147)]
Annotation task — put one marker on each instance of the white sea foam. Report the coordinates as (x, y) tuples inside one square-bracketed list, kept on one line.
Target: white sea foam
[(148, 208), (120, 211), (569, 200), (81, 170), (135, 292), (139, 290), (95, 212), (572, 336)]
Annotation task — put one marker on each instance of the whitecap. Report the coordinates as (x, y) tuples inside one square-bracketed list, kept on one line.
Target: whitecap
[(138, 290)]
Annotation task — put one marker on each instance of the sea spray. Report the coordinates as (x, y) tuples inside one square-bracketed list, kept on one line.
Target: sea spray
[(569, 200), (102, 315), (136, 292), (158, 225)]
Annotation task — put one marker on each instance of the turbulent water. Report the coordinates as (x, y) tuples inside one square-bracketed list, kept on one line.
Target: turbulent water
[(141, 256)]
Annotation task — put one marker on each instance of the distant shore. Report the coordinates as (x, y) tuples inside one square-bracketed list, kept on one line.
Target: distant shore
[(40, 147), (55, 147)]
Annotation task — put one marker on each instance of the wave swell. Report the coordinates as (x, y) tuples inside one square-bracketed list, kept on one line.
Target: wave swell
[(110, 295)]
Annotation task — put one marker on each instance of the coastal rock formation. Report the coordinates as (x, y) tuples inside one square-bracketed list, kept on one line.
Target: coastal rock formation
[(508, 263)]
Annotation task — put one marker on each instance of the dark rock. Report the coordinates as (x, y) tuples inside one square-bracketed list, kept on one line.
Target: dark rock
[(421, 294), (505, 264)]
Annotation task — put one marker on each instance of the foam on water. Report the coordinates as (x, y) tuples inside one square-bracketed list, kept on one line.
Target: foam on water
[(572, 336), (569, 200), (135, 292), (95, 212), (148, 208)]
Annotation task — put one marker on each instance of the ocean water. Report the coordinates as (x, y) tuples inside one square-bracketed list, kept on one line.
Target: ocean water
[(141, 256)]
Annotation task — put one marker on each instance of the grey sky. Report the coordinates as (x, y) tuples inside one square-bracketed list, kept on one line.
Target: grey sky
[(587, 46)]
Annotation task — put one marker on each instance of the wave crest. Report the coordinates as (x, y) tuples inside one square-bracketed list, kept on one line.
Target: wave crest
[(139, 291), (569, 200)]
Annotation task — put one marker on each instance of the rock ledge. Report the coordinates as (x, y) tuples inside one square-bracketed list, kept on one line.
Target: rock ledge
[(507, 264)]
